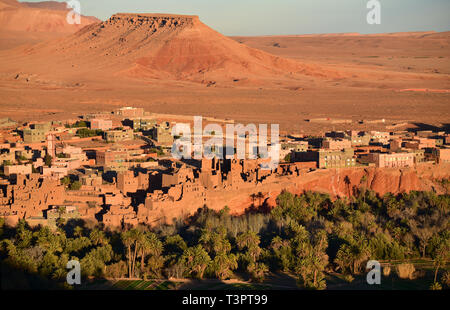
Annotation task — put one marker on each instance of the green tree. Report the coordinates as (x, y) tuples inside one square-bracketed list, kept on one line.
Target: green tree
[(48, 160), (223, 265), (287, 158), (215, 242), (98, 237), (249, 241), (441, 256), (282, 252), (78, 231), (258, 270), (151, 245), (75, 186), (351, 256), (130, 240), (311, 260), (65, 181), (196, 260)]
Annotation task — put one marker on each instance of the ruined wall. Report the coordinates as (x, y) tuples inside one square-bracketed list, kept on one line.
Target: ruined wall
[(30, 196)]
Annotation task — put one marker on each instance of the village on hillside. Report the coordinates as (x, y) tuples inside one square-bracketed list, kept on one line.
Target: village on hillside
[(116, 168)]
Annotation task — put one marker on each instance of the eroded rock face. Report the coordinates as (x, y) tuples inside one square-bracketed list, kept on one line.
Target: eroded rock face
[(346, 182), (152, 21), (336, 182)]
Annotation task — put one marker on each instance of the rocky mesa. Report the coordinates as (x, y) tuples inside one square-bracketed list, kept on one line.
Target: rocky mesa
[(162, 47)]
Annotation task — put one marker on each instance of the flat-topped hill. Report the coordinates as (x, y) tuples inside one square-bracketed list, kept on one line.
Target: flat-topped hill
[(163, 46), (154, 16)]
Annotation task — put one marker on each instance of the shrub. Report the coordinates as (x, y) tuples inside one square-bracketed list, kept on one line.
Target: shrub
[(65, 180), (48, 160), (349, 278), (386, 271), (75, 186), (117, 270), (436, 286), (446, 279), (405, 271), (86, 133), (287, 158)]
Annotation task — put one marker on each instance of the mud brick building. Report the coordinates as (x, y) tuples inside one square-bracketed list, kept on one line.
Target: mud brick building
[(28, 195), (101, 124), (327, 158), (112, 159), (113, 136), (126, 112), (335, 144), (392, 160)]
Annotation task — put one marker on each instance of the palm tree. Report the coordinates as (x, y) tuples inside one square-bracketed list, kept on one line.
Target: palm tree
[(149, 245), (363, 183), (78, 231), (137, 237), (196, 259), (249, 240), (441, 256), (258, 271), (276, 243), (359, 254), (221, 244), (348, 182), (260, 196), (98, 237), (129, 239), (351, 256), (206, 239), (253, 196), (223, 264), (423, 231), (215, 242)]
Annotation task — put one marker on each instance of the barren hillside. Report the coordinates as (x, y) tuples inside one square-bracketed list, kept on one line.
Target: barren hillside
[(165, 47), (25, 23), (176, 64)]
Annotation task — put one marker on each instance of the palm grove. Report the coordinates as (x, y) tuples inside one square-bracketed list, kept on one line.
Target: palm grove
[(306, 235)]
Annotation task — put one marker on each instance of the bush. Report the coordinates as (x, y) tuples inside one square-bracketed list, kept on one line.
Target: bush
[(349, 278), (386, 271), (48, 160), (436, 286), (65, 181), (446, 279), (117, 270), (75, 186), (86, 133), (405, 271), (287, 158), (78, 124)]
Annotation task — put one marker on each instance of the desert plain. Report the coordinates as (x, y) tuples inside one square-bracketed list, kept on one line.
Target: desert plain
[(178, 65)]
